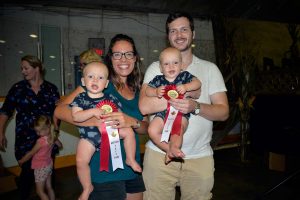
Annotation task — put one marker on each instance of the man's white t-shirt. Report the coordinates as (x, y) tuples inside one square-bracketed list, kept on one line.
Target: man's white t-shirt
[(196, 139)]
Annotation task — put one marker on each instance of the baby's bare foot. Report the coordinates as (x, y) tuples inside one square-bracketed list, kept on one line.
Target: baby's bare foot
[(134, 165), (175, 152), (167, 159), (86, 193)]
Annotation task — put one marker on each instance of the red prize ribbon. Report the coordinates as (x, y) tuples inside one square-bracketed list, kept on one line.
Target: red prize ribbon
[(171, 92), (108, 106)]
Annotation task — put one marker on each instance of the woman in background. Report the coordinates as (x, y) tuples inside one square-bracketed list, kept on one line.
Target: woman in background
[(31, 98)]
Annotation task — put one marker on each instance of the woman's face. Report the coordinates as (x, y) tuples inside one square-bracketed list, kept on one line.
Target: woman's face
[(28, 71), (125, 65)]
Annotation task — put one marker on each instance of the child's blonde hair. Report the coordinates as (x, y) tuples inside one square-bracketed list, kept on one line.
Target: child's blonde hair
[(89, 56), (44, 122)]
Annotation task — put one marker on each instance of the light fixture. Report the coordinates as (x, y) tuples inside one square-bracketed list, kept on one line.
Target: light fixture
[(21, 52), (33, 35), (52, 57), (193, 45), (2, 41), (155, 51), (141, 59)]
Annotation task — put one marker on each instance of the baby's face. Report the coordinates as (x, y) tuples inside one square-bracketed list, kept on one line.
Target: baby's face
[(170, 64), (95, 78)]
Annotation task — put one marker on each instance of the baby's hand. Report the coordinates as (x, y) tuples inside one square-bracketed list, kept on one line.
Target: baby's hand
[(160, 91), (181, 89), (98, 112)]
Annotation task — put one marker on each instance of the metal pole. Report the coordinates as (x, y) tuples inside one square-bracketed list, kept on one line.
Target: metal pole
[(62, 72)]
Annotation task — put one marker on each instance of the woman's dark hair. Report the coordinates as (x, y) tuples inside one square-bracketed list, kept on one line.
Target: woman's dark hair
[(34, 62), (175, 15), (134, 79)]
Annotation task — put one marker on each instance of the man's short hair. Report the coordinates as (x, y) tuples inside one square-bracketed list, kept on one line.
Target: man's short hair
[(175, 15)]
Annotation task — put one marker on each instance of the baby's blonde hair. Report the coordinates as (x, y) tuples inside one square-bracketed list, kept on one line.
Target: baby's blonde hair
[(169, 50)]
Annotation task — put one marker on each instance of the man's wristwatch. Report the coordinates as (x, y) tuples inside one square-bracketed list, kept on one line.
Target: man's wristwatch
[(197, 109), (137, 125)]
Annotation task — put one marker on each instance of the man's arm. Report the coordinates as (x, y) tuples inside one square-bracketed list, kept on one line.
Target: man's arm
[(218, 110), (149, 105)]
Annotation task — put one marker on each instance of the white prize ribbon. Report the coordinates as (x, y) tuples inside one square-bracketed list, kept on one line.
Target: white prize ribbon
[(168, 125), (115, 148)]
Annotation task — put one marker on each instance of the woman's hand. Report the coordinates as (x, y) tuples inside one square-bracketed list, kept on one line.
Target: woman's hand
[(118, 120)]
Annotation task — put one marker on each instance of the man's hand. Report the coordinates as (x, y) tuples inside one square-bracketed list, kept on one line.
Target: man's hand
[(183, 105)]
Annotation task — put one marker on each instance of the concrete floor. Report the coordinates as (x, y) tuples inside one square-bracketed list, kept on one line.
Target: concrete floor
[(234, 180), (253, 180)]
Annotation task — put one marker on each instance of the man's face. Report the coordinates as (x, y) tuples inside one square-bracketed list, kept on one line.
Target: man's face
[(180, 34)]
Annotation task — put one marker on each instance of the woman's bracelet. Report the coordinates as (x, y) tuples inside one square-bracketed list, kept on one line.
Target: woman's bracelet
[(137, 125)]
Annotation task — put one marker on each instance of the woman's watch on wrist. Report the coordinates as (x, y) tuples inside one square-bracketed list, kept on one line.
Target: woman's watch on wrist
[(137, 125), (197, 109)]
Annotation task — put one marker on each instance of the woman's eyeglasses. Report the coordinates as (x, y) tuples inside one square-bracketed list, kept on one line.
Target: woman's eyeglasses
[(118, 55)]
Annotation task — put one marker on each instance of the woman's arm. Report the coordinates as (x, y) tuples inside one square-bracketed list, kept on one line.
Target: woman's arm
[(62, 110), (121, 120), (3, 141), (141, 127)]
